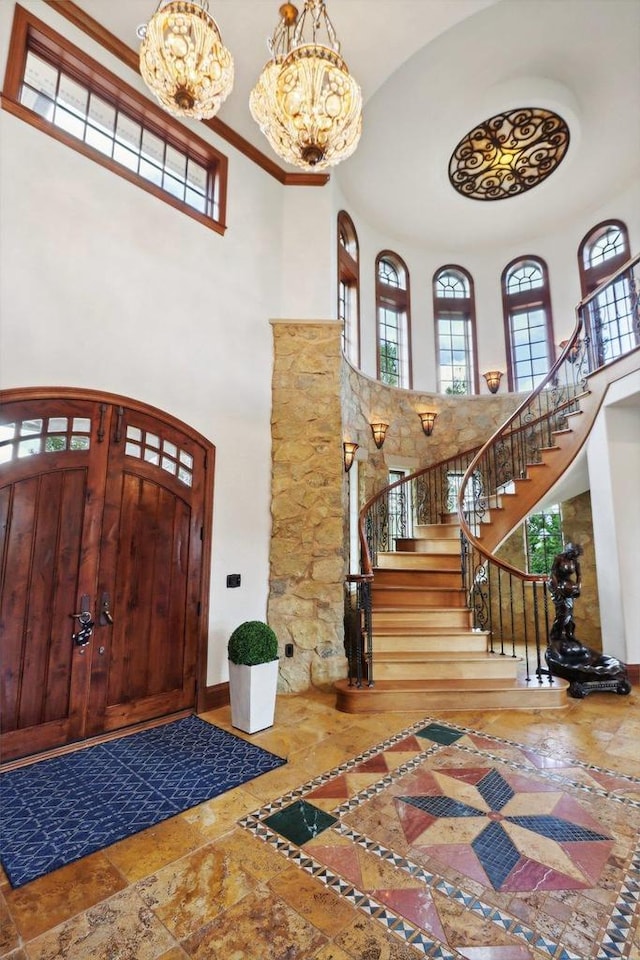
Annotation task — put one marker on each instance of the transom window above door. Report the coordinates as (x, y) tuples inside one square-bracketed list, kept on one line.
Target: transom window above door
[(29, 437)]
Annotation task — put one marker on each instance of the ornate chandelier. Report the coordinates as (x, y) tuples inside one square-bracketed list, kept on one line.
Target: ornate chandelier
[(183, 60), (306, 102), (508, 154)]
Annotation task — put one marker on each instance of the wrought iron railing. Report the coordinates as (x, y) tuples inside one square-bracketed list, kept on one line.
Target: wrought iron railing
[(509, 603)]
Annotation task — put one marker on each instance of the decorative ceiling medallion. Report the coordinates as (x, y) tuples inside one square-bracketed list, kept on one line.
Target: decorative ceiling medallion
[(508, 154)]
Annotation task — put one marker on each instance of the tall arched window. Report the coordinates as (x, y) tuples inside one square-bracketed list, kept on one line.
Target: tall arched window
[(349, 287), (527, 318), (609, 317), (454, 315), (392, 305), (601, 253)]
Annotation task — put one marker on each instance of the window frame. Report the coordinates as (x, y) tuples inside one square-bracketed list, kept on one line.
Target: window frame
[(399, 299), (592, 277), (349, 275), (537, 298), (29, 34), (467, 306)]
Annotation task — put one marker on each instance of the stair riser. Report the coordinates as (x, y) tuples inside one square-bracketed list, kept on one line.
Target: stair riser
[(371, 700), (493, 669), (464, 643), (436, 619), (418, 578), (430, 531), (429, 546), (401, 597), (408, 560)]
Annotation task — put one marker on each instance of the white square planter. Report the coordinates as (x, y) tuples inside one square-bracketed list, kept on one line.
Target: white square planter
[(253, 695)]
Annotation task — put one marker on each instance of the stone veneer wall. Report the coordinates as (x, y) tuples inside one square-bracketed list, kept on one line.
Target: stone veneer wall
[(318, 401), (308, 504), (462, 423)]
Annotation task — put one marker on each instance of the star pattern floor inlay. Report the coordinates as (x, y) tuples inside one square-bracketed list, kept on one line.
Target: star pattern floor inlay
[(441, 824)]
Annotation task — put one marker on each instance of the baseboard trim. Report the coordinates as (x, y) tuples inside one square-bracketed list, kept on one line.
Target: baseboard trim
[(633, 669), (217, 695)]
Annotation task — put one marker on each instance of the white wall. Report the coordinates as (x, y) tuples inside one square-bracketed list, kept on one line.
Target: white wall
[(613, 453), (104, 286)]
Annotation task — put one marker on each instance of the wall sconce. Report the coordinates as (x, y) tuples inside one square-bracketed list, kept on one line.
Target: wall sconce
[(428, 420), (493, 378), (379, 431), (349, 455)]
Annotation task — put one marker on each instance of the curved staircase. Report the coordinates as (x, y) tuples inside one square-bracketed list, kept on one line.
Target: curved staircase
[(418, 640)]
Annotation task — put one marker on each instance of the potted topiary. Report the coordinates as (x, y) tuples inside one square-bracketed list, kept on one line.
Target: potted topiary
[(253, 675)]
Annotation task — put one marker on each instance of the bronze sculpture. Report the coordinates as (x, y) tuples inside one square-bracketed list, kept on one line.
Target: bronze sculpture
[(584, 668)]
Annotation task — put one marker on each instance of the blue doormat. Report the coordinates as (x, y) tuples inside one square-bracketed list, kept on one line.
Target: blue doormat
[(59, 810)]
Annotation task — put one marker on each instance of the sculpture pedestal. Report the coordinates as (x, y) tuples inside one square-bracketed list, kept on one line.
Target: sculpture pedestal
[(586, 669)]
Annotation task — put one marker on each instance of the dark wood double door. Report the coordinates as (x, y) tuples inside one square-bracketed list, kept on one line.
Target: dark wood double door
[(103, 517)]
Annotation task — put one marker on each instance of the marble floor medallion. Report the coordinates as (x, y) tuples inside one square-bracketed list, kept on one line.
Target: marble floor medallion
[(467, 845)]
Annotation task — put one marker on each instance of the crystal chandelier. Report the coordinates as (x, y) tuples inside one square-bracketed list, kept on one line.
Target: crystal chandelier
[(183, 60), (306, 102)]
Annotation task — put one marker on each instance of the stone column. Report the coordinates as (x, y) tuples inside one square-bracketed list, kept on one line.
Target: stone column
[(307, 564)]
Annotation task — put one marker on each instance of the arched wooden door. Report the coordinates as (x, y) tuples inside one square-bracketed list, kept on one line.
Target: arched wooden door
[(104, 511)]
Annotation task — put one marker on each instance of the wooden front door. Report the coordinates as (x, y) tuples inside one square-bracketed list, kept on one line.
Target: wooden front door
[(103, 517)]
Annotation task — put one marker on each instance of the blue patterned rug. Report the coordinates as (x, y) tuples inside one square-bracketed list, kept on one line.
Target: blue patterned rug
[(59, 810)]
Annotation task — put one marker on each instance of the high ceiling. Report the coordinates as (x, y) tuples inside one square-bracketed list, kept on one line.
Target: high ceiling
[(432, 69)]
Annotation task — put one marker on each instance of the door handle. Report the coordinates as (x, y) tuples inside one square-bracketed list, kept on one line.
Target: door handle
[(106, 617), (82, 636)]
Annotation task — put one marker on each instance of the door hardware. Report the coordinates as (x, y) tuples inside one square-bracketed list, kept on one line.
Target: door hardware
[(106, 617), (85, 628)]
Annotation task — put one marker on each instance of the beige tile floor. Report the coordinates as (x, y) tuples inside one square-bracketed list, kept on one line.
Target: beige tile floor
[(200, 886)]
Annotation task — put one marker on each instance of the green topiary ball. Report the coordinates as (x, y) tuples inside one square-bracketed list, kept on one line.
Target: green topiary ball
[(251, 643)]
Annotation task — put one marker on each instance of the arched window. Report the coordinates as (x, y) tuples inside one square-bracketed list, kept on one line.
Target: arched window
[(609, 317), (527, 319), (392, 306), (349, 287), (454, 315), (601, 253)]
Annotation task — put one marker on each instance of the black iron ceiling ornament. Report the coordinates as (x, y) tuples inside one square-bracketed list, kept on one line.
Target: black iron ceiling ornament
[(508, 154)]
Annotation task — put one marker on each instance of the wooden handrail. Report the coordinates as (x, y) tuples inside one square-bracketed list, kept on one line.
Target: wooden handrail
[(551, 379)]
